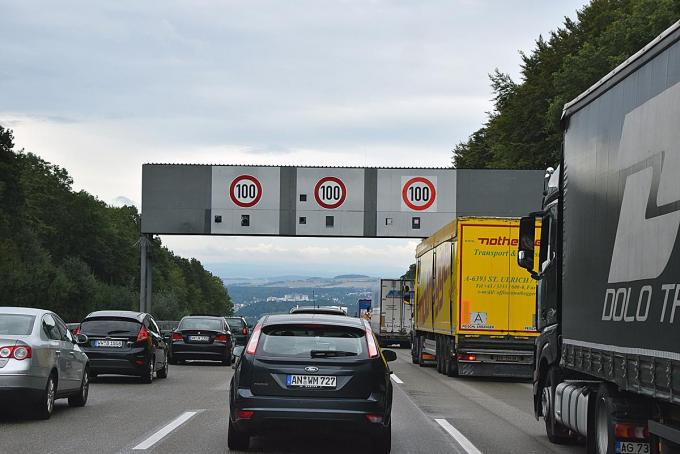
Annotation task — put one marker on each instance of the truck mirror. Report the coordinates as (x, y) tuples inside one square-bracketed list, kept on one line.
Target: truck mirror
[(407, 294), (525, 253)]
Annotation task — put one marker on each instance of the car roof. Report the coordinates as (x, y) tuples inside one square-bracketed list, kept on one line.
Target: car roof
[(212, 317), (23, 310), (325, 319), (139, 316)]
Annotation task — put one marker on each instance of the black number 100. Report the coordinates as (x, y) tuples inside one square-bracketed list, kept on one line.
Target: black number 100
[(419, 193), (246, 190)]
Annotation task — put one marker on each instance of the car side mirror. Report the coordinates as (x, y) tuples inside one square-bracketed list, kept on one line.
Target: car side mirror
[(81, 339), (389, 355)]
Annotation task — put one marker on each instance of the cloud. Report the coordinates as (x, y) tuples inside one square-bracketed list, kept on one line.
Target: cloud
[(102, 87)]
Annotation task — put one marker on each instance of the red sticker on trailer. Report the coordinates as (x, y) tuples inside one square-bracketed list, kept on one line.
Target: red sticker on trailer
[(245, 191), (330, 192)]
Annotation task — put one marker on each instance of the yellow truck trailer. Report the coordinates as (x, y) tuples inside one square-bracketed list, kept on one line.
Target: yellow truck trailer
[(475, 308)]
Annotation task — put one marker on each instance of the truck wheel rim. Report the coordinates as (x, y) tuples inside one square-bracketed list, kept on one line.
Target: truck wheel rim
[(602, 429), (545, 403)]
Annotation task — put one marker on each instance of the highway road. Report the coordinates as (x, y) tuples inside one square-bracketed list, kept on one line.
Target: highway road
[(186, 413)]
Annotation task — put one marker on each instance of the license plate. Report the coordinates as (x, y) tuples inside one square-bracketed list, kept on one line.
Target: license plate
[(311, 381), (632, 447), (199, 338), (509, 358), (108, 343)]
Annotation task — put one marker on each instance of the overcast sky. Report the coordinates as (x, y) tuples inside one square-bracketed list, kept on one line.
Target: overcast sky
[(101, 87)]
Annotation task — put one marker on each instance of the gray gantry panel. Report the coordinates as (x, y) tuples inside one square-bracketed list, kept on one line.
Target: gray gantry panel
[(327, 201)]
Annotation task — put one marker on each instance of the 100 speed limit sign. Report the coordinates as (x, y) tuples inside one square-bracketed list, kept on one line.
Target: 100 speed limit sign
[(245, 191), (419, 193), (330, 192)]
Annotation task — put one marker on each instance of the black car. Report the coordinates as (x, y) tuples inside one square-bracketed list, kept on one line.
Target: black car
[(312, 372), (124, 343), (201, 337), (239, 329)]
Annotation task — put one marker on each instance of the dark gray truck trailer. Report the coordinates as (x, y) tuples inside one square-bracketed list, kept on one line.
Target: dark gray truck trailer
[(608, 300)]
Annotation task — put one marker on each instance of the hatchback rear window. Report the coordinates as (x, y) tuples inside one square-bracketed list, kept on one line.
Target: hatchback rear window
[(235, 324), (16, 324), (312, 341), (110, 327), (201, 323)]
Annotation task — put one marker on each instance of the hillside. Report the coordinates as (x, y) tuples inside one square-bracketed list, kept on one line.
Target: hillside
[(72, 253)]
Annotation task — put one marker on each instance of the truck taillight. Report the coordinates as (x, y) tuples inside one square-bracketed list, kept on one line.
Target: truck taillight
[(466, 357), (19, 352), (143, 334), (631, 431), (251, 348)]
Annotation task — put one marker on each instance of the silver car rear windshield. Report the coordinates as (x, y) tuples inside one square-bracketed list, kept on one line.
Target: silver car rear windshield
[(312, 341), (208, 324), (16, 324)]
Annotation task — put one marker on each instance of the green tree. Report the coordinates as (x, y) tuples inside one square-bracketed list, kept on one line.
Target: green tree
[(523, 130)]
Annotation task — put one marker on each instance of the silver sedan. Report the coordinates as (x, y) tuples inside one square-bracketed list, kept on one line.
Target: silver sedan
[(40, 360)]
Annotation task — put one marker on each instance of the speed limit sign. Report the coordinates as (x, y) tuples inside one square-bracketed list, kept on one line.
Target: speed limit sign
[(419, 193), (330, 192), (245, 191)]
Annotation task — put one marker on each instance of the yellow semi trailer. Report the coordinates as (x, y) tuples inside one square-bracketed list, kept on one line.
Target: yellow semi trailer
[(475, 308)]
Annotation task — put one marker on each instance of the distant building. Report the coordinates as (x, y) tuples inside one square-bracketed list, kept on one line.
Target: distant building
[(288, 298)]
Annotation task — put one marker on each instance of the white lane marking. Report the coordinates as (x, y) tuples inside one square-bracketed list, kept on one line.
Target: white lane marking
[(459, 437), (396, 379), (158, 436)]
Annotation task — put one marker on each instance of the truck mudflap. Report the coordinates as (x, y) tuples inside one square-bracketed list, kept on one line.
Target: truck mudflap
[(495, 363)]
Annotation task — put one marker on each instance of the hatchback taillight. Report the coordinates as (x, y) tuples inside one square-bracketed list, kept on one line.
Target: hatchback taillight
[(221, 338), (245, 331), (370, 341), (251, 348), (76, 331), (177, 337), (143, 334), (19, 352)]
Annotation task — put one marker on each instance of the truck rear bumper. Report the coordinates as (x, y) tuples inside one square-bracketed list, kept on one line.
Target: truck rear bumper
[(508, 370)]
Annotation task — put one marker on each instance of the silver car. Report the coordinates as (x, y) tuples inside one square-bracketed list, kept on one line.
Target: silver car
[(40, 360)]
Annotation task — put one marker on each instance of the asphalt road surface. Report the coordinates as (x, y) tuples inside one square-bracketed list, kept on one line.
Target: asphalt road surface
[(187, 413)]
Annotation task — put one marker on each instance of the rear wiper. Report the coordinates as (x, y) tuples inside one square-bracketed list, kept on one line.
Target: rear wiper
[(330, 353)]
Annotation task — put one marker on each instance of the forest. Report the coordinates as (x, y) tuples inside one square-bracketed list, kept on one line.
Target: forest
[(69, 252), (523, 130)]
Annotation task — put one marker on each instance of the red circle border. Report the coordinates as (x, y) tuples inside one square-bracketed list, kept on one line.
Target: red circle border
[(418, 180), (257, 185), (337, 204)]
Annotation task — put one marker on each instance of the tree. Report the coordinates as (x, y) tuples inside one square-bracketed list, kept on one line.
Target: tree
[(523, 130)]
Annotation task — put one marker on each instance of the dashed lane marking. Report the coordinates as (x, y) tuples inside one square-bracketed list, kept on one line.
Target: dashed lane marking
[(459, 437), (396, 379), (158, 436)]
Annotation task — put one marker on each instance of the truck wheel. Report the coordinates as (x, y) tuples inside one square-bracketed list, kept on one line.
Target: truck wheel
[(421, 346), (601, 439), (451, 367), (414, 351), (557, 433)]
